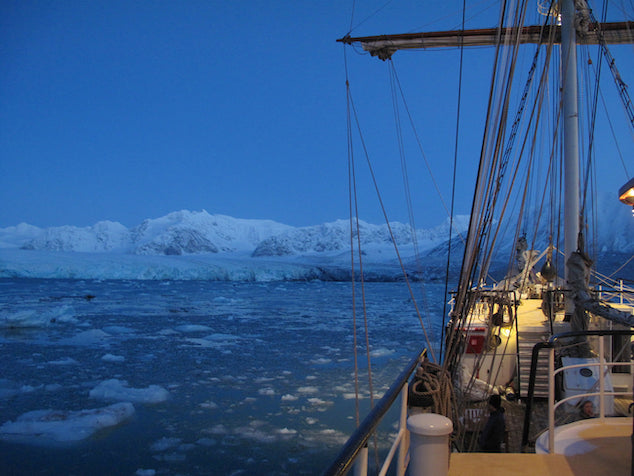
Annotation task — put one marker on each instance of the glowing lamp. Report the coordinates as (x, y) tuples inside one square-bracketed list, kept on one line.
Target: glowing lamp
[(626, 193)]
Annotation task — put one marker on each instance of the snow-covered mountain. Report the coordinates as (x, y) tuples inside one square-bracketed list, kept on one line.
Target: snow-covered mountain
[(199, 245), (178, 233), (190, 233)]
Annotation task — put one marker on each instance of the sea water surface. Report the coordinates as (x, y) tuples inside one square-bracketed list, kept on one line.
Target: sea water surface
[(191, 377)]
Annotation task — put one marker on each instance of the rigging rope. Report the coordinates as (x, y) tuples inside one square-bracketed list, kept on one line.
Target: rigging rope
[(389, 228), (354, 224), (453, 181), (620, 84), (478, 234)]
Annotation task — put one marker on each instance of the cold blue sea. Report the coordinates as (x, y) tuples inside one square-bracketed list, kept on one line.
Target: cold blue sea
[(192, 377)]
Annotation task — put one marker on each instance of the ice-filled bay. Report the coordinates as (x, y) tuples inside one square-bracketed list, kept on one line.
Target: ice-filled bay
[(207, 377)]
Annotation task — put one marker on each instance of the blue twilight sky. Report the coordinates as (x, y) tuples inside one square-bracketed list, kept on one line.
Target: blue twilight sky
[(124, 110)]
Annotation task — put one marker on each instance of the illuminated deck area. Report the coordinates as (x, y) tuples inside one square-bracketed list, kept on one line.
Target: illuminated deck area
[(592, 447)]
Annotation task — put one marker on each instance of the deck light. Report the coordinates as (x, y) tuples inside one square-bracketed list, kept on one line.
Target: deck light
[(626, 193)]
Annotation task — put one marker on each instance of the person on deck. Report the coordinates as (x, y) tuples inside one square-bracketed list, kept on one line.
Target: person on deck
[(587, 410), (493, 433)]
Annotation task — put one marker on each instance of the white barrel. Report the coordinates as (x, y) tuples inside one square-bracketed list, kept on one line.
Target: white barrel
[(429, 444)]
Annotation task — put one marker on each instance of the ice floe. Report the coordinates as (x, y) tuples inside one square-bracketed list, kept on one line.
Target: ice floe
[(308, 390), (381, 352), (115, 389), (33, 318), (165, 444), (88, 338), (193, 328), (60, 426), (112, 358), (64, 361)]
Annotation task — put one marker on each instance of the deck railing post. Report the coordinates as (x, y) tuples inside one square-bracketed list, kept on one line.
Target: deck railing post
[(361, 463), (601, 377), (403, 447), (551, 400), (621, 289)]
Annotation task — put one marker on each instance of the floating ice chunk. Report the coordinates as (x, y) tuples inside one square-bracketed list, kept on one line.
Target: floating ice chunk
[(209, 405), (318, 401), (321, 361), (64, 361), (223, 299), (28, 318), (308, 390), (289, 398), (228, 338), (286, 431), (145, 472), (36, 317), (61, 314), (218, 429), (115, 389), (204, 343), (90, 337), (266, 391), (192, 328), (113, 358), (121, 330), (206, 442), (171, 457), (55, 426), (381, 352), (29, 388), (165, 444), (216, 341), (251, 433), (352, 396)]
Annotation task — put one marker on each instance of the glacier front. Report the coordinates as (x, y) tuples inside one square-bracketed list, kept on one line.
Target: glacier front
[(188, 245)]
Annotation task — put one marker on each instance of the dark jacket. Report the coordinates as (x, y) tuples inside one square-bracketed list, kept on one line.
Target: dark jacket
[(493, 433)]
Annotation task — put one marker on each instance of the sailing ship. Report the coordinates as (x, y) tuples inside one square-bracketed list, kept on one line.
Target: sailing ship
[(487, 345)]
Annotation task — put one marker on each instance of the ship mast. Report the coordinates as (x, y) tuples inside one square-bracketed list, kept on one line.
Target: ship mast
[(384, 46), (570, 129)]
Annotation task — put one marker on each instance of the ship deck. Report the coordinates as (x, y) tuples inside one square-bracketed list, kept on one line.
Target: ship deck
[(611, 455), (529, 464), (596, 447)]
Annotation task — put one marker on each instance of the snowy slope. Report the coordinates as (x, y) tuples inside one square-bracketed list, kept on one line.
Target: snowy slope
[(198, 245)]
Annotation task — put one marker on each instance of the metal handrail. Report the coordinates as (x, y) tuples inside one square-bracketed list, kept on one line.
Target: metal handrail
[(551, 343), (618, 292), (366, 429)]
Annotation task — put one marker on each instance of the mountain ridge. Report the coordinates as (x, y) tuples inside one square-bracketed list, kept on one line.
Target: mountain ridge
[(199, 245), (186, 232)]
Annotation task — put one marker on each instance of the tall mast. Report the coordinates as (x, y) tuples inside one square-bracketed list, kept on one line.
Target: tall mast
[(570, 128), (384, 46)]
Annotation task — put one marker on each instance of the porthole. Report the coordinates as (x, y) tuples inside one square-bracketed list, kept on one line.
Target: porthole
[(585, 372)]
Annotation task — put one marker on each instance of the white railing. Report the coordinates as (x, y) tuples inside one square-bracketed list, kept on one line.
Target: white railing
[(355, 451), (617, 293), (401, 442), (604, 367)]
